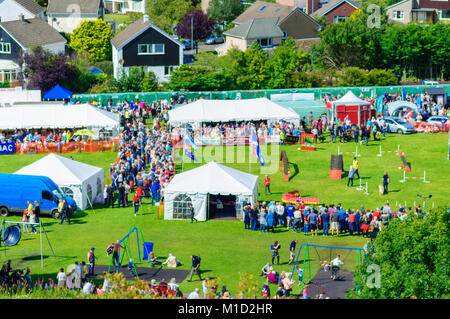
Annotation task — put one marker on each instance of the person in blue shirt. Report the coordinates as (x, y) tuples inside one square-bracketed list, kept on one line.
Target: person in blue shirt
[(342, 216), (155, 191), (351, 175), (292, 251), (313, 223), (247, 217), (325, 222), (358, 222), (290, 215)]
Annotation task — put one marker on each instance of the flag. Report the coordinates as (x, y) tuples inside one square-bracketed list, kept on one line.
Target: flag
[(419, 101), (188, 140), (188, 153), (256, 150), (380, 104), (403, 94)]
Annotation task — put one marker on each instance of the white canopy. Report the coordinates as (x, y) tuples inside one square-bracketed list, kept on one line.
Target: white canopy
[(211, 178), (49, 115), (395, 106), (83, 182), (231, 110), (350, 99)]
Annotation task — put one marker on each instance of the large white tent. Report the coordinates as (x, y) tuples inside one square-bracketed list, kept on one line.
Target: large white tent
[(83, 182), (195, 186), (259, 109), (53, 116)]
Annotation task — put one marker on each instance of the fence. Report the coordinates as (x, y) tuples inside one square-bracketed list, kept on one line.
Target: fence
[(69, 147), (149, 97)]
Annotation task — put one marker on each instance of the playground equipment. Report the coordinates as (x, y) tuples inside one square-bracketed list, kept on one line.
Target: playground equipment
[(424, 178), (363, 188), (381, 151), (294, 198), (306, 258), (138, 232), (12, 235), (354, 153)]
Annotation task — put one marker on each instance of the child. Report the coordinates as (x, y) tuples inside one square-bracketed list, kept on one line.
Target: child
[(300, 275), (62, 278), (306, 292), (25, 220), (131, 268), (265, 291)]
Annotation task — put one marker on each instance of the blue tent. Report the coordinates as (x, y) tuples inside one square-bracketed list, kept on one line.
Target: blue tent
[(58, 93)]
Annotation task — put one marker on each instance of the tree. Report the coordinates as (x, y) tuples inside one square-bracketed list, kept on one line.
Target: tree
[(252, 68), (137, 80), (409, 259), (93, 37), (43, 69), (42, 3), (225, 10), (286, 59), (166, 14), (202, 25), (197, 78)]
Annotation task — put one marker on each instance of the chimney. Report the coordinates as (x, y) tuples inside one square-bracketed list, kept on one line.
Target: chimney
[(145, 18)]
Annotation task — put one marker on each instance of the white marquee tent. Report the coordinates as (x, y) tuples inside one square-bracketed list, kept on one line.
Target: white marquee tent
[(83, 182), (231, 110), (50, 115), (350, 99), (195, 186)]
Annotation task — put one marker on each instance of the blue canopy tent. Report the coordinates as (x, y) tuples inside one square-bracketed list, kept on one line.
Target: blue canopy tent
[(57, 93)]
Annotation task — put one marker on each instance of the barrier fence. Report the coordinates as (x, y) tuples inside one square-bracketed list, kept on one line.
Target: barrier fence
[(150, 97), (229, 141), (68, 147)]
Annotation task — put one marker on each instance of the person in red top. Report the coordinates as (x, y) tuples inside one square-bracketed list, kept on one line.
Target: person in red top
[(139, 194), (116, 252), (376, 214), (351, 222), (267, 185)]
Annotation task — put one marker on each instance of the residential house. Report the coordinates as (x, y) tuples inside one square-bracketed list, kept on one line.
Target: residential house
[(144, 44), (264, 30), (420, 11), (337, 10), (307, 6), (66, 15), (11, 9), (291, 20), (125, 6), (18, 37)]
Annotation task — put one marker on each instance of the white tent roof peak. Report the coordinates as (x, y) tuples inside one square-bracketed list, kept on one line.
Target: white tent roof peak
[(60, 169), (213, 178), (350, 98)]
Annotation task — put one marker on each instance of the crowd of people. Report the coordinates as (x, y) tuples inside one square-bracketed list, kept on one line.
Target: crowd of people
[(329, 219)]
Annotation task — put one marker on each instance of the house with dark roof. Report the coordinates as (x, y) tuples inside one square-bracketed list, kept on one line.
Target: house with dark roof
[(18, 37), (419, 11), (143, 44), (11, 9), (66, 15), (263, 21), (337, 10)]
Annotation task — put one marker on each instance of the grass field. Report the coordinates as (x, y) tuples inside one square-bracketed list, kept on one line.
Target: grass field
[(225, 247)]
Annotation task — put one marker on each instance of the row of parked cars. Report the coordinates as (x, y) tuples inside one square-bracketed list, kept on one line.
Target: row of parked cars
[(397, 125), (188, 44)]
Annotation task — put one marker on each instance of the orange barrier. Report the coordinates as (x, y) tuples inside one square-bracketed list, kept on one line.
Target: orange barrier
[(69, 147)]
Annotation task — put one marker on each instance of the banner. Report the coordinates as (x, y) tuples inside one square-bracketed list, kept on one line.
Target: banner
[(7, 148)]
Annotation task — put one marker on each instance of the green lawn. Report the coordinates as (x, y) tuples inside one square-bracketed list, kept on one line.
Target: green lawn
[(120, 18), (225, 247)]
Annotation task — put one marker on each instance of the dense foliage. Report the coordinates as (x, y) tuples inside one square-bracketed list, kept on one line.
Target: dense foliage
[(225, 10), (166, 14), (200, 24), (412, 256), (93, 37)]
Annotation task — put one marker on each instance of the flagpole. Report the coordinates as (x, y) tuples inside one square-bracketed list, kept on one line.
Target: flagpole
[(182, 153)]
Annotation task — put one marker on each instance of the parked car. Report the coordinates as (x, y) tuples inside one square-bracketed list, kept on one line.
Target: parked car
[(16, 190), (437, 119), (213, 39), (188, 44), (396, 125)]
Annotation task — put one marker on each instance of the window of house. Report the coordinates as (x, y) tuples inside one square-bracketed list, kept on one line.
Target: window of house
[(168, 69), (444, 14), (149, 49), (5, 47), (398, 14), (181, 207), (337, 19), (285, 35), (265, 43)]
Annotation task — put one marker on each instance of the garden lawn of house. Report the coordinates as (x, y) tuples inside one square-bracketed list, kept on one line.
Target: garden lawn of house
[(225, 247)]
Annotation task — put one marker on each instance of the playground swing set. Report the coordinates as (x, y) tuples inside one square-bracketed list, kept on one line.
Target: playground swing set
[(124, 240), (360, 257)]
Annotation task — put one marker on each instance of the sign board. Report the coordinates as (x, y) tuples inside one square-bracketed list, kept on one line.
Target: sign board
[(7, 148)]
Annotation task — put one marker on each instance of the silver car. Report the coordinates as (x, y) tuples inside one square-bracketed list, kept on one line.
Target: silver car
[(437, 119), (396, 125)]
